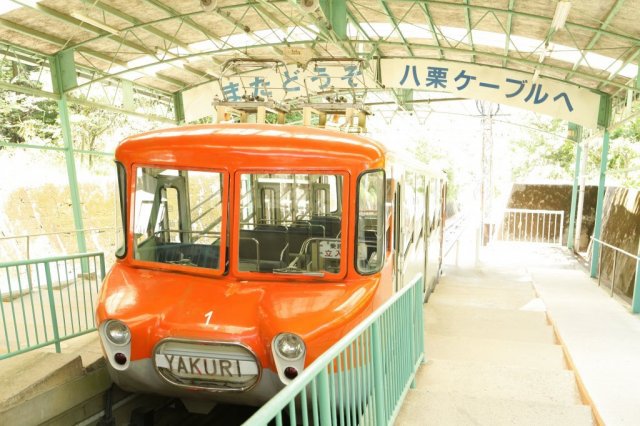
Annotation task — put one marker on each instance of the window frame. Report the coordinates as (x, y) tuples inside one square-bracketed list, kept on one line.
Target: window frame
[(382, 222), (121, 172), (234, 228), (194, 270)]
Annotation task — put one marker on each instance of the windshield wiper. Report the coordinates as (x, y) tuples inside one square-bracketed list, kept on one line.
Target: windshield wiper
[(292, 270)]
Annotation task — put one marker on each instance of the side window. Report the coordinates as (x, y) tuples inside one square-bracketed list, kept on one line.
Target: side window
[(420, 206), (121, 206), (408, 210), (432, 204), (370, 223)]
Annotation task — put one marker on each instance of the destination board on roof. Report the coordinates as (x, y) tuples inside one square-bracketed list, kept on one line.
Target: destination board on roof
[(519, 89), (280, 83)]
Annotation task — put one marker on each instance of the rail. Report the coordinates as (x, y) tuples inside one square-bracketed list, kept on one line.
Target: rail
[(46, 301), (364, 377), (454, 228), (29, 237), (532, 226), (635, 301)]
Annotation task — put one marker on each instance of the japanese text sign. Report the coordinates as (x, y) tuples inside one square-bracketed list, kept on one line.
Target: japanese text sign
[(544, 96)]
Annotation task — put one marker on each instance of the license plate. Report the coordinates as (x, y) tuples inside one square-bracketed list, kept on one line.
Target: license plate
[(189, 366)]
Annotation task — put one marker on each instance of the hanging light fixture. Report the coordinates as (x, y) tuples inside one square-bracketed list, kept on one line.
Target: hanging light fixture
[(560, 15)]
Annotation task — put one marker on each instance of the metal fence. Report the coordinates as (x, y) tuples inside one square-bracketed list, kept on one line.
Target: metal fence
[(36, 245), (635, 300), (363, 378), (531, 226), (46, 301)]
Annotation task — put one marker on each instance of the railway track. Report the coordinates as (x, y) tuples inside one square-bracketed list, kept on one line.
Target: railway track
[(150, 410)]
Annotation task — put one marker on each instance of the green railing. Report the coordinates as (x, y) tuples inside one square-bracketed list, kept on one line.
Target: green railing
[(363, 378), (47, 301)]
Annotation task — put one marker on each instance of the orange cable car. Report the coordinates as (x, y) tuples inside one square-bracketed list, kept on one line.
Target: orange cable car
[(250, 249)]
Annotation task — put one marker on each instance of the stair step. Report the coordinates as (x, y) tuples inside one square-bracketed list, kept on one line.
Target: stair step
[(498, 324), (484, 271), (32, 373), (479, 281), (502, 382), (450, 409), (492, 298), (495, 352), (435, 313)]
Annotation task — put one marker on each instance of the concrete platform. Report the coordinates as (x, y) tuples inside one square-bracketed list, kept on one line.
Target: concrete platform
[(602, 337), (493, 356)]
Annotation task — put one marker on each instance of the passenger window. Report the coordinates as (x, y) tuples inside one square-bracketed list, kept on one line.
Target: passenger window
[(293, 231), (370, 224), (420, 206), (408, 210), (178, 217), (432, 205)]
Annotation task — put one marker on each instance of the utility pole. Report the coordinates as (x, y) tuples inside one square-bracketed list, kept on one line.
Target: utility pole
[(487, 110)]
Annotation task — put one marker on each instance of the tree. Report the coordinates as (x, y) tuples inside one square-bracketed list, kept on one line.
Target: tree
[(26, 118), (89, 125)]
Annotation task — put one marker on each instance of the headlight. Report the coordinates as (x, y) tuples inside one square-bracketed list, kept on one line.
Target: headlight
[(289, 346), (117, 332)]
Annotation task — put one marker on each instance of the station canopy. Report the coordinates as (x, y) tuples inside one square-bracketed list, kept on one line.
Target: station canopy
[(574, 59)]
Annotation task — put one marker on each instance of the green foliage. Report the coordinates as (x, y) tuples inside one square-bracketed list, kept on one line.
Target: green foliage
[(88, 127), (544, 154), (25, 118), (630, 130)]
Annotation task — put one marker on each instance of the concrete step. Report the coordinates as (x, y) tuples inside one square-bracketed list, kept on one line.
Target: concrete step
[(493, 298), (436, 313), (480, 278), (450, 409), (495, 352), (32, 373), (481, 380), (484, 271), (519, 326), (72, 394)]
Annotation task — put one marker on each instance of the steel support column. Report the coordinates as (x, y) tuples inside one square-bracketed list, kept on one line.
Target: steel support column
[(601, 189), (178, 108), (57, 72), (336, 13), (575, 134)]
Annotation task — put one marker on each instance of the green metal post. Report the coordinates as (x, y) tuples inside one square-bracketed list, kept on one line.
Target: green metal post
[(324, 398), (378, 376), (574, 193), (601, 189), (52, 307), (63, 109), (178, 106), (635, 302)]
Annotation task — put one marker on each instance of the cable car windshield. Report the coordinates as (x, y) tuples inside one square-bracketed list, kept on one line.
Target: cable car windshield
[(178, 217), (290, 223)]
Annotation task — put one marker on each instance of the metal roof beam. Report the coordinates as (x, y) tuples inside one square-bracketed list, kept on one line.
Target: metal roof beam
[(80, 24), (325, 29), (58, 42), (136, 22), (425, 9), (392, 18), (507, 41), (524, 15), (612, 13), (467, 20)]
